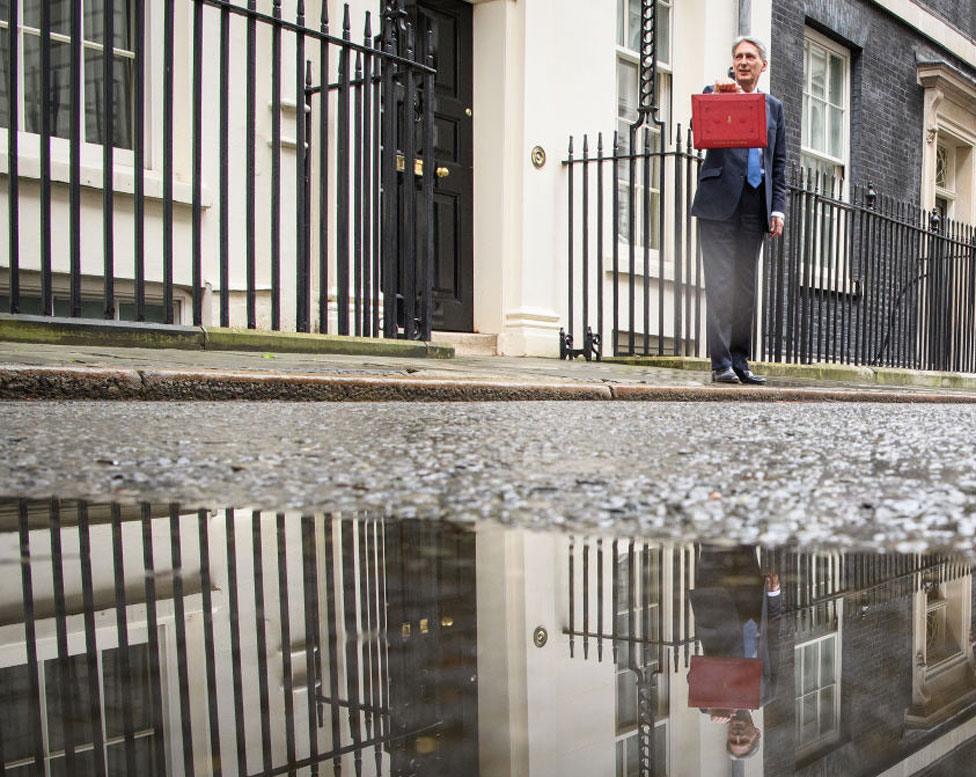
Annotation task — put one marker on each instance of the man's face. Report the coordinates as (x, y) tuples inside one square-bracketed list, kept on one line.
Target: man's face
[(741, 735), (748, 65)]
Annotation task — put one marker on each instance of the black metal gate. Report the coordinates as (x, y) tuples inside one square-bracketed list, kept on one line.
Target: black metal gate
[(306, 219)]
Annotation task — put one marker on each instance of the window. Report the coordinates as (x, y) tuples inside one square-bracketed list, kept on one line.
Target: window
[(59, 99), (941, 639), (639, 602), (950, 168), (817, 675), (825, 130), (628, 86), (17, 701)]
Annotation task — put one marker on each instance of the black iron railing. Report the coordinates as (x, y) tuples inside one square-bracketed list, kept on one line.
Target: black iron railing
[(861, 278), (159, 640), (633, 257), (315, 139), (857, 278)]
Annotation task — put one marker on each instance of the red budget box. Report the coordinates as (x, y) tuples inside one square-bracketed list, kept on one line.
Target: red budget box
[(729, 120)]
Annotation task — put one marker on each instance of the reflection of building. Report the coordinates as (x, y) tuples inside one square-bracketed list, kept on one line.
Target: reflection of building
[(152, 640), (162, 642), (875, 664)]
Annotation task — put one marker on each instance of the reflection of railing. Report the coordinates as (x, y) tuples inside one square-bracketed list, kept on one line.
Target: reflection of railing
[(650, 583), (657, 628), (258, 642), (814, 583)]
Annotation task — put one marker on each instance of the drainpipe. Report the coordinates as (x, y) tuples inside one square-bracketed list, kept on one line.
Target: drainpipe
[(745, 17)]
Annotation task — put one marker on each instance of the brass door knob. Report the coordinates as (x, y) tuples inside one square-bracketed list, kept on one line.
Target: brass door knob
[(443, 172)]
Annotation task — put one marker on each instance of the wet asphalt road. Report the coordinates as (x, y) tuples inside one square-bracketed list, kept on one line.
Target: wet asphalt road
[(899, 476)]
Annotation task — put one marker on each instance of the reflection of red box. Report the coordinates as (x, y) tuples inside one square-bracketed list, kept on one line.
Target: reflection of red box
[(729, 120), (725, 683)]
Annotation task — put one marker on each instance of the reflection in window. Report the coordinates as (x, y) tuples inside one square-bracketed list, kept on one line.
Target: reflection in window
[(60, 681), (945, 179), (628, 86), (58, 99), (941, 641), (632, 606), (817, 676), (824, 129)]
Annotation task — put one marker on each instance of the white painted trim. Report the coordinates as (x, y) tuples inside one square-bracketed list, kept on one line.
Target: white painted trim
[(932, 752), (932, 27)]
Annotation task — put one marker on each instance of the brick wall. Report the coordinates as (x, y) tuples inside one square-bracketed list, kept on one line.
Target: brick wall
[(877, 689), (886, 101)]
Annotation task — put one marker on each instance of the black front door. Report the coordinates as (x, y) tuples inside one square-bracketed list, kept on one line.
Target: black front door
[(451, 25), (433, 653)]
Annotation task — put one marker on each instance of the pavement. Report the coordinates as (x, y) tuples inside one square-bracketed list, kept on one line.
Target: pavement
[(824, 455), (78, 371), (813, 473)]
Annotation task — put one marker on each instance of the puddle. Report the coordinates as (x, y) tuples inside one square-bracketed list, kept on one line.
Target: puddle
[(155, 639)]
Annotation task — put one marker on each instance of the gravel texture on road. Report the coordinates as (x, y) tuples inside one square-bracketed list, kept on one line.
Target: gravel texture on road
[(866, 475)]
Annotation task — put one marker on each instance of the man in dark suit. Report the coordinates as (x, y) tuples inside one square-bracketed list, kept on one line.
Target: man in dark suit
[(737, 611), (741, 196)]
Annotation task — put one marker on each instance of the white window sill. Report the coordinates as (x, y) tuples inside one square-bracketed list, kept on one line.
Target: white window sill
[(123, 179), (655, 266)]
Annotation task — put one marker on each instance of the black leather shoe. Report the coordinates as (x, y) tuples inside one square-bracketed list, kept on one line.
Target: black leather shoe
[(724, 376), (746, 375)]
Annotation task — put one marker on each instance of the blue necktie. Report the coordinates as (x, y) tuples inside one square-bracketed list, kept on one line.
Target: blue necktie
[(750, 634), (754, 171)]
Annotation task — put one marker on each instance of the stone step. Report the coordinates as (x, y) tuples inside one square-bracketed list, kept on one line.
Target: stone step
[(467, 343)]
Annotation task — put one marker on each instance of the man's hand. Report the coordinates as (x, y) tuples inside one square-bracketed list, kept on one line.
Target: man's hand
[(721, 716), (727, 85), (776, 226)]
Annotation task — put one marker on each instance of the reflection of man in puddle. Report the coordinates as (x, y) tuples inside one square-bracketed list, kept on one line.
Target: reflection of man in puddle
[(735, 607)]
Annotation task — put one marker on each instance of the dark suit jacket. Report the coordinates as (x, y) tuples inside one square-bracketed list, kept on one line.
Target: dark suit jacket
[(723, 174), (729, 591)]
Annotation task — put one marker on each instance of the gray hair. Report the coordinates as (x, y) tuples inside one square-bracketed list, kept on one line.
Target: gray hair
[(757, 42)]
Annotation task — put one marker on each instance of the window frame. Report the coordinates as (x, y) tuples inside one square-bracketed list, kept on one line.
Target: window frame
[(624, 55), (106, 639), (91, 152), (823, 158), (624, 735), (947, 192), (823, 739)]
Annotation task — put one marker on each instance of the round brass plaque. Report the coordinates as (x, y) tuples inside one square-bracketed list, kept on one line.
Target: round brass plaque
[(540, 637)]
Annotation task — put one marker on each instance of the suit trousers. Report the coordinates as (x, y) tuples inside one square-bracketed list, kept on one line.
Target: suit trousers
[(730, 253)]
